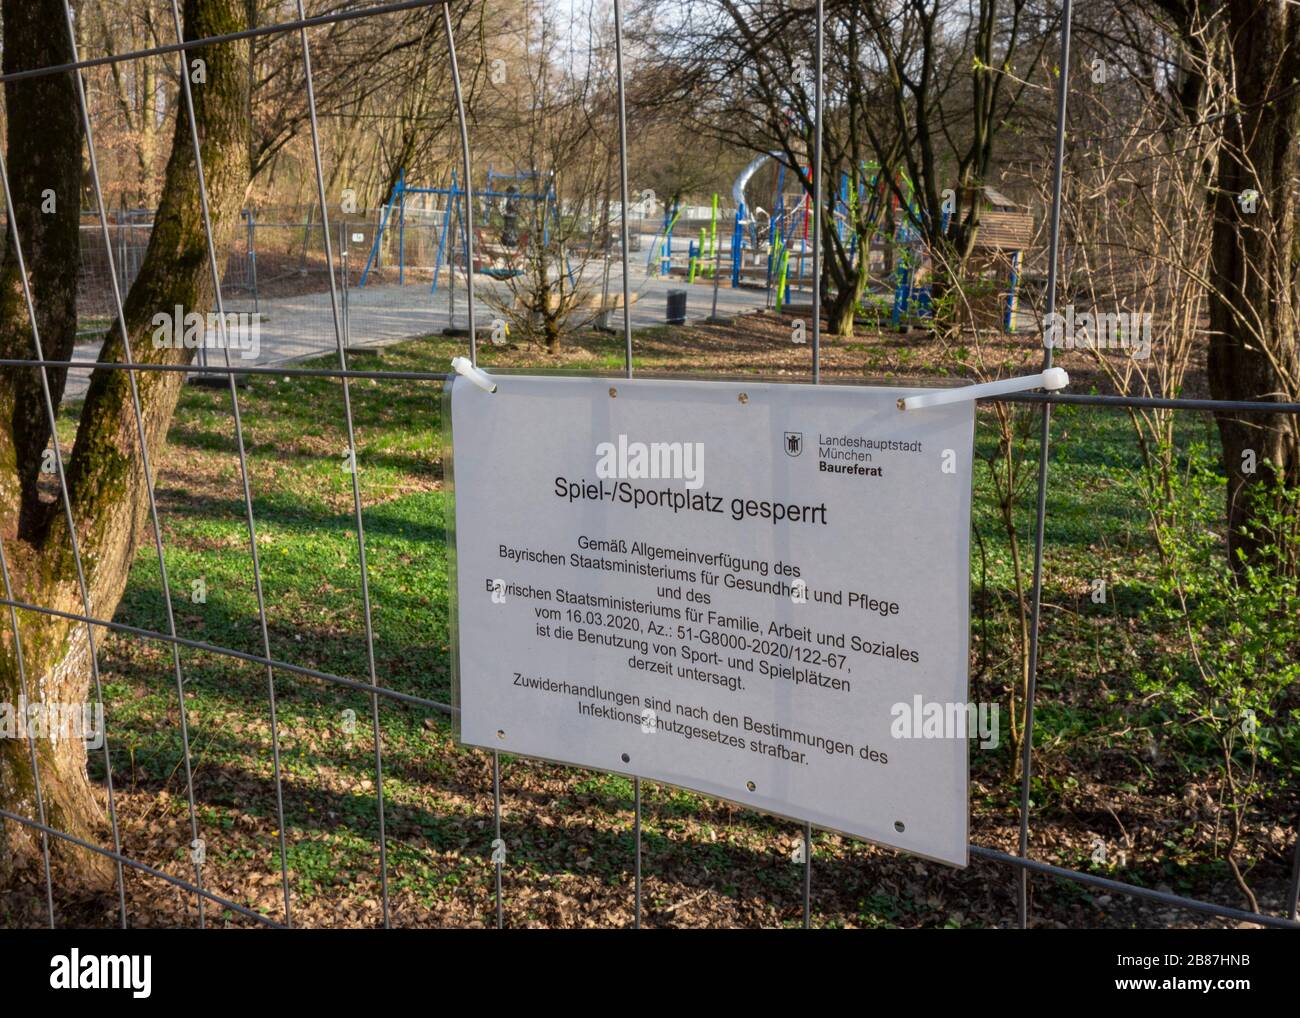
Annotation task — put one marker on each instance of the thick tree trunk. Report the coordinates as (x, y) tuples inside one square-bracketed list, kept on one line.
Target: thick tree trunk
[(43, 156), (1253, 305), (71, 802), (106, 486)]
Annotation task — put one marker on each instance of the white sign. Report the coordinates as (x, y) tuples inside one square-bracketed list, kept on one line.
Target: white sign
[(757, 591)]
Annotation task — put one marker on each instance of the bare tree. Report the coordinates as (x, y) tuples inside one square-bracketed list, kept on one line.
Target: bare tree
[(555, 124)]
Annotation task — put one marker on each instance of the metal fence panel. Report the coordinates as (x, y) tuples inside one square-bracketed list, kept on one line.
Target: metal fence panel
[(271, 248)]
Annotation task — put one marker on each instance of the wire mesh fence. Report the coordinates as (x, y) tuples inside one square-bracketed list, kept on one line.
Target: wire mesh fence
[(128, 233), (311, 254)]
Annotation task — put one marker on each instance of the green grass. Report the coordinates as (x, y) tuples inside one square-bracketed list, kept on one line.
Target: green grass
[(1092, 725)]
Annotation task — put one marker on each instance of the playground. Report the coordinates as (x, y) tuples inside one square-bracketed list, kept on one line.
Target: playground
[(398, 271), (743, 246)]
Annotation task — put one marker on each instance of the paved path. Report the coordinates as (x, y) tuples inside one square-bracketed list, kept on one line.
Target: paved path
[(294, 328)]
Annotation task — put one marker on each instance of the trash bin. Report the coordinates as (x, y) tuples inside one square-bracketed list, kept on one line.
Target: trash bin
[(676, 307)]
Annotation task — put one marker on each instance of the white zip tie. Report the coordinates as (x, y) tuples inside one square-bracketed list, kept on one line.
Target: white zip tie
[(1051, 379), (482, 379)]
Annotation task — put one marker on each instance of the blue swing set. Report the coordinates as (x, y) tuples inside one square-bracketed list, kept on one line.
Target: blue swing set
[(491, 259)]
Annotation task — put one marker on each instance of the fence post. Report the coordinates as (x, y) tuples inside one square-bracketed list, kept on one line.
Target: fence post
[(452, 248), (347, 311), (252, 256), (121, 244), (1044, 444), (401, 237), (201, 355)]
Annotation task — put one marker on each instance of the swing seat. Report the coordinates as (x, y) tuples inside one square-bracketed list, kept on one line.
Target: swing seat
[(493, 259)]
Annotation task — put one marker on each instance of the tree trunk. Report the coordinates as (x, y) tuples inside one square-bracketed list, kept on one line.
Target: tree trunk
[(851, 278), (840, 312), (1253, 351), (109, 501), (43, 157)]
